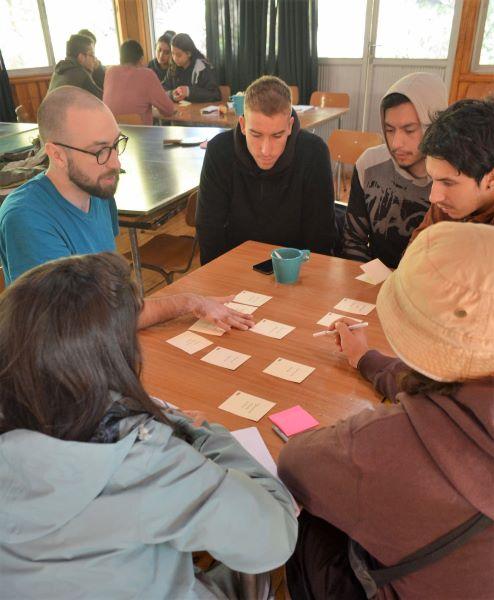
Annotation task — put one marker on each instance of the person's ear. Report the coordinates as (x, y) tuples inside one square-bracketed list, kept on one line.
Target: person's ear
[(489, 180), (290, 125), (56, 154), (241, 122)]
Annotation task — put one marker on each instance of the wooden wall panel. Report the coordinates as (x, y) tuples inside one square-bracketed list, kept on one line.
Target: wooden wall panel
[(29, 92)]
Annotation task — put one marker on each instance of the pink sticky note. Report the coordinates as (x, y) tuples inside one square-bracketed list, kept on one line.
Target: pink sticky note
[(293, 420)]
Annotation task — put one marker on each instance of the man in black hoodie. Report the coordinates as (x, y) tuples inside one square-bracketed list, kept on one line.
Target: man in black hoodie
[(76, 69), (267, 180)]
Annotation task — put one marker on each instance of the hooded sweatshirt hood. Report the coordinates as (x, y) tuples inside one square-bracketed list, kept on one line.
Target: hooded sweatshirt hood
[(68, 64), (428, 95)]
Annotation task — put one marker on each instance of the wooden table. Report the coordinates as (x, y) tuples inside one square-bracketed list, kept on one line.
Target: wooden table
[(191, 116), (332, 392)]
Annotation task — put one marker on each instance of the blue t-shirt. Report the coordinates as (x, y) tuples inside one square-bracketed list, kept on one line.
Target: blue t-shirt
[(37, 224)]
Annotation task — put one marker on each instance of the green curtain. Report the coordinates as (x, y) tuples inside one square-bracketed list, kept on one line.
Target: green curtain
[(250, 38)]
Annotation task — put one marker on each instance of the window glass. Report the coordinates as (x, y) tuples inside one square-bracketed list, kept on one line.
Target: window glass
[(66, 18), (22, 42), (414, 28), (333, 39), (487, 51), (181, 16)]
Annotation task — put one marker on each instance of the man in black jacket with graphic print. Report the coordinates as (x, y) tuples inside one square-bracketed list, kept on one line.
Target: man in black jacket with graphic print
[(267, 180)]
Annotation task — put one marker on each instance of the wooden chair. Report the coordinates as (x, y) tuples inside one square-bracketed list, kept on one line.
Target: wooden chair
[(346, 146), (129, 119), (169, 254), (23, 115), (294, 92), (2, 280), (226, 92), (330, 100)]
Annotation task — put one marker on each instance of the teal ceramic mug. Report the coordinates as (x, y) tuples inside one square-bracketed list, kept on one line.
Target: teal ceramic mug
[(238, 104), (286, 263)]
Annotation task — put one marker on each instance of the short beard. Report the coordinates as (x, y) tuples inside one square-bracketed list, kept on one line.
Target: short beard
[(92, 188)]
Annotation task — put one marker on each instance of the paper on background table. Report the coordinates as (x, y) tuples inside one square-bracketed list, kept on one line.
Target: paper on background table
[(251, 298), (288, 370), (203, 326), (376, 271), (272, 329), (189, 342), (355, 306), (331, 317), (223, 357), (293, 420), (247, 405), (242, 308), (184, 103)]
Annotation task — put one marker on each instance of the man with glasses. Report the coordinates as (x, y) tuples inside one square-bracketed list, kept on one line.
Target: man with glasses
[(78, 66), (70, 209)]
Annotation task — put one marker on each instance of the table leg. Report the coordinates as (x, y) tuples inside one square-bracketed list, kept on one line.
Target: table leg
[(136, 258)]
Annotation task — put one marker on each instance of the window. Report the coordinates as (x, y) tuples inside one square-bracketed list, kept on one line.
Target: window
[(334, 19), (35, 32), (181, 16), (487, 49), (415, 29)]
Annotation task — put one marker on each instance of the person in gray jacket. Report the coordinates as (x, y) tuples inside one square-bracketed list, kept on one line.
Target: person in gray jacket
[(105, 493), (78, 66)]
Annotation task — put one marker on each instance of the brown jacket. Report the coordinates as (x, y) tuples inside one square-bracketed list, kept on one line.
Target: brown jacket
[(435, 215), (398, 477)]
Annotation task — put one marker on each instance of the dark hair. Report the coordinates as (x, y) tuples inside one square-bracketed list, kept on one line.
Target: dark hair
[(463, 135), (392, 100), (184, 42), (166, 37), (78, 44), (412, 382), (68, 337), (131, 52), (88, 34)]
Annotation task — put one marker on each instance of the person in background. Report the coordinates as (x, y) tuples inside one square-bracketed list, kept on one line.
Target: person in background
[(71, 208), (459, 149), (133, 88), (390, 189), (76, 69), (190, 76), (163, 52), (99, 70), (121, 485), (267, 180), (404, 475)]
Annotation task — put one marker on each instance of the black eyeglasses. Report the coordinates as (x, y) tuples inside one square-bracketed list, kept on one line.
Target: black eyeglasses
[(103, 155)]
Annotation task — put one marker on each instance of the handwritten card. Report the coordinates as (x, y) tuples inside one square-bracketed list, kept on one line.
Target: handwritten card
[(242, 308), (293, 420), (289, 370), (272, 329), (189, 342), (331, 317), (355, 306), (203, 326), (223, 357), (375, 272), (251, 298), (247, 405)]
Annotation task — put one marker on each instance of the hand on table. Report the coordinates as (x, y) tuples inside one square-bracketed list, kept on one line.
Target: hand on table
[(214, 310), (353, 344), (180, 93)]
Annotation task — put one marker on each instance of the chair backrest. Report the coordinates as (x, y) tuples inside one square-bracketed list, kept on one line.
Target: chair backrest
[(330, 99), (190, 210), (346, 146), (23, 115), (226, 92), (294, 93), (2, 280), (129, 119), (479, 91)]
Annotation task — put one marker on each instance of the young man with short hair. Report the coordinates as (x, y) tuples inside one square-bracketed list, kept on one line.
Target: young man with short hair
[(70, 209), (459, 149), (77, 67), (98, 73), (267, 180), (390, 188)]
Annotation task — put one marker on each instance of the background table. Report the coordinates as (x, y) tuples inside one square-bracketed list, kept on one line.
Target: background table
[(332, 392)]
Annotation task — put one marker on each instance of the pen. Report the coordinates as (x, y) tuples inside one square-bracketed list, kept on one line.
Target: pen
[(333, 331), (279, 433)]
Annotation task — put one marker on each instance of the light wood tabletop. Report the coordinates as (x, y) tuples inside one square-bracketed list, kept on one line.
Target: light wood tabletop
[(332, 392), (191, 115)]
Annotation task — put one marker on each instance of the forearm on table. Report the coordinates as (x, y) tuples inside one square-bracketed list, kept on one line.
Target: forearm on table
[(157, 309)]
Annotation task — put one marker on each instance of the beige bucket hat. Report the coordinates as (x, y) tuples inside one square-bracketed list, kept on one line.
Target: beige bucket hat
[(437, 308)]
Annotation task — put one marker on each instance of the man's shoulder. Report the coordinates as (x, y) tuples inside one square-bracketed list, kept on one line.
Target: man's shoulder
[(373, 156), (310, 141), (26, 200), (222, 145)]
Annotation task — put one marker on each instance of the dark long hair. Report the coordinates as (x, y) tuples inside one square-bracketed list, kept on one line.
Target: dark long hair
[(68, 336), (184, 42)]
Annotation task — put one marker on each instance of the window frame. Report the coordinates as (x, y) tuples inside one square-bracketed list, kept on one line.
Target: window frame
[(475, 66)]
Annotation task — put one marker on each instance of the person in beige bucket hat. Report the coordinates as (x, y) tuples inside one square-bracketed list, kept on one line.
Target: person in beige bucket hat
[(395, 479)]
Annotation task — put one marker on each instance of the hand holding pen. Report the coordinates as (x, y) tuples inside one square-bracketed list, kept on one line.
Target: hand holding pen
[(350, 339)]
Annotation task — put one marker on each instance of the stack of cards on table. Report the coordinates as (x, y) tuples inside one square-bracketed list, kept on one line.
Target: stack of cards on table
[(374, 272), (293, 420), (355, 306)]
